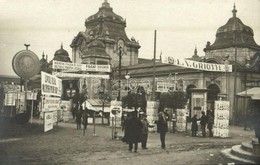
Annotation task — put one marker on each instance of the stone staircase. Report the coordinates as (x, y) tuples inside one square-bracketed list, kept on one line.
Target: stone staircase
[(242, 154)]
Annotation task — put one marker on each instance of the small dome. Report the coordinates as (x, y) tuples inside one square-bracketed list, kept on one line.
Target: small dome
[(95, 48), (105, 12), (61, 52), (61, 55)]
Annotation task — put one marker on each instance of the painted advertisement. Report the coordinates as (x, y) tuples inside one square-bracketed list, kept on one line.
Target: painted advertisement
[(50, 85)]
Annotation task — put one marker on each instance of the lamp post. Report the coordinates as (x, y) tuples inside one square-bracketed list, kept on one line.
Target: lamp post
[(175, 81), (120, 52), (127, 77), (246, 69)]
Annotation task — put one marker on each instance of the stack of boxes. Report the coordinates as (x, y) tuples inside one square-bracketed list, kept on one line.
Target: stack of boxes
[(66, 112), (221, 119), (152, 114), (181, 119)]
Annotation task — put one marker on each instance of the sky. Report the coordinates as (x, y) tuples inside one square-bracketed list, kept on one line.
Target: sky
[(181, 25)]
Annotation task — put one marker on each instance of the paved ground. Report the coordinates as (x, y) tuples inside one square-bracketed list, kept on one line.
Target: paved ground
[(28, 144)]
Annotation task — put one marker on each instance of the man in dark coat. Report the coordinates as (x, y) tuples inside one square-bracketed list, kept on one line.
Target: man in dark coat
[(79, 116), (203, 123), (194, 125), (162, 128), (133, 128), (210, 122)]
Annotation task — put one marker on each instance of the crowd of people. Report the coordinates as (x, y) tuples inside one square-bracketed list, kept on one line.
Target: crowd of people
[(206, 121), (135, 128)]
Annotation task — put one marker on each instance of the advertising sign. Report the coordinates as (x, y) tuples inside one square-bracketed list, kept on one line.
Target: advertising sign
[(221, 119), (75, 75), (50, 104), (197, 65), (80, 67), (48, 121), (50, 85)]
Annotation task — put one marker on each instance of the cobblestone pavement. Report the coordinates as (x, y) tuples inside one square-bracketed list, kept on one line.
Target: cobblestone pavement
[(28, 144)]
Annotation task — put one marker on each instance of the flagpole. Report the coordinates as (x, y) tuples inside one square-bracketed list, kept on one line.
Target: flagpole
[(154, 58)]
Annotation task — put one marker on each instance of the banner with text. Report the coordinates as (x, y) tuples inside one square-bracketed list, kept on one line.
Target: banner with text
[(50, 85), (81, 67), (50, 104), (196, 65), (75, 75)]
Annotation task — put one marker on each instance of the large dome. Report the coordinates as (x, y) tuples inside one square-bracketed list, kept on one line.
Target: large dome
[(234, 32)]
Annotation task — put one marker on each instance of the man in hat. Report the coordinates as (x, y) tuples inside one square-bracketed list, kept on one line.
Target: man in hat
[(144, 135)]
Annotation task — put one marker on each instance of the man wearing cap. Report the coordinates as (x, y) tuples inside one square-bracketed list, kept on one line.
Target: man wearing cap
[(145, 130)]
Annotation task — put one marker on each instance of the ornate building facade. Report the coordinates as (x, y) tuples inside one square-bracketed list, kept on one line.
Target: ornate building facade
[(108, 28)]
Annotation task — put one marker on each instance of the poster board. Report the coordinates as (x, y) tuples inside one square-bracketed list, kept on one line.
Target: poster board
[(48, 121), (221, 119)]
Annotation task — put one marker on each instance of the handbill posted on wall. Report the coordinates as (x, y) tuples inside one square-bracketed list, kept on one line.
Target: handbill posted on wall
[(50, 85), (50, 104), (80, 67), (196, 65), (48, 121)]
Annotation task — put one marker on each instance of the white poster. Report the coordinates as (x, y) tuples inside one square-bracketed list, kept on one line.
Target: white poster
[(50, 85), (221, 119), (197, 65), (82, 67), (50, 104), (76, 75), (48, 121)]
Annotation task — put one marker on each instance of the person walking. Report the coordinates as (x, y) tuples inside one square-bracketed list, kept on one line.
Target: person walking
[(145, 130), (162, 128), (133, 128), (194, 125), (203, 123)]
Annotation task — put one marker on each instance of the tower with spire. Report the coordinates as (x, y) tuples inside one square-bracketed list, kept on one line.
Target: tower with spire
[(108, 28)]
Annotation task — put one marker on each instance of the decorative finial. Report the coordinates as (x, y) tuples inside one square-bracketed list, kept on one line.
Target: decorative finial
[(105, 4), (234, 11), (195, 51), (61, 46), (43, 55), (26, 45)]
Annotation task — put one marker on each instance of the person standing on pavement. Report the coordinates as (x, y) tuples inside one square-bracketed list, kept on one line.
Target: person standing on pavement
[(203, 123), (134, 128), (162, 128), (210, 122), (145, 131), (79, 116), (194, 125)]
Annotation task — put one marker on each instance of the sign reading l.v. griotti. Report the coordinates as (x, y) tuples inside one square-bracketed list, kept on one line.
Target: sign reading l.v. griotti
[(197, 65)]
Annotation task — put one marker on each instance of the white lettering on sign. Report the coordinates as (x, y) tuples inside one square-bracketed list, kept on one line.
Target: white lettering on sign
[(80, 67)]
